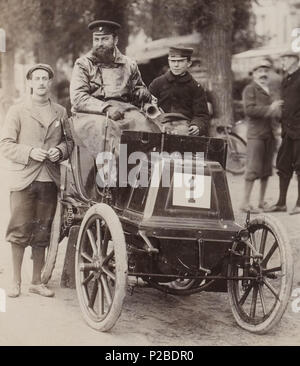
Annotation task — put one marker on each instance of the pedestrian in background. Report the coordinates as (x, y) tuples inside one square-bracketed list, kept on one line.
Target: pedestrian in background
[(274, 84), (33, 142), (259, 110), (288, 158)]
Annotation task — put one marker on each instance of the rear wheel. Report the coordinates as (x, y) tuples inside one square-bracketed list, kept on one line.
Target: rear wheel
[(101, 267), (236, 154), (259, 303)]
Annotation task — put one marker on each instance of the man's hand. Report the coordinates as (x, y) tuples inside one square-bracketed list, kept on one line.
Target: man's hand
[(275, 108), (114, 113), (142, 95), (38, 154), (53, 154), (194, 130)]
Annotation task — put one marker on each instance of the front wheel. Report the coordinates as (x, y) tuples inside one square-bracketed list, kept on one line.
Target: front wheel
[(101, 267), (258, 304)]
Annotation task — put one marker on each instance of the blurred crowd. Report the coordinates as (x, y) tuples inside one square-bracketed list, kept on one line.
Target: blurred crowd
[(272, 112)]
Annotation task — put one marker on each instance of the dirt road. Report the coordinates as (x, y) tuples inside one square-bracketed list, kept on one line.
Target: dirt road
[(148, 317)]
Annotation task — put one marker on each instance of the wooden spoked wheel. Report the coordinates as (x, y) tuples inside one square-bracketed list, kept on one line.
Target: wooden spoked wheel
[(259, 303), (101, 267)]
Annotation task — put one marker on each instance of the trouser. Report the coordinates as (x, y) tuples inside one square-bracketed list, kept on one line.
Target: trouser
[(259, 158), (288, 158), (32, 213)]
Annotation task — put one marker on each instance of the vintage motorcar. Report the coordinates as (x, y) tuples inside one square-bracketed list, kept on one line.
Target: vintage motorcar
[(178, 238)]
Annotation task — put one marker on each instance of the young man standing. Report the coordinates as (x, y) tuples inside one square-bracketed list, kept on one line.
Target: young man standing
[(33, 142), (178, 92), (260, 110)]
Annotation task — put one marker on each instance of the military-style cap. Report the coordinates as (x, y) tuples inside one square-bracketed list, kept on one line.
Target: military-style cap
[(261, 63), (45, 67), (290, 53), (180, 52), (104, 27)]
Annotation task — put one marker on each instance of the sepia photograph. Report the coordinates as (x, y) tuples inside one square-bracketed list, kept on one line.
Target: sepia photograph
[(150, 175)]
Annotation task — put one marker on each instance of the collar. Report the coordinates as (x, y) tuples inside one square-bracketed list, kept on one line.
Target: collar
[(119, 57), (265, 88), (293, 72), (297, 71), (29, 105), (288, 78), (181, 79)]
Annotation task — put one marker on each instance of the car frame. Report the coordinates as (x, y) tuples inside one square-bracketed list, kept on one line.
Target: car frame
[(134, 231)]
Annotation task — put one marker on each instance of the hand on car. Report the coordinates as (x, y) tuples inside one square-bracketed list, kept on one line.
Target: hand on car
[(114, 113), (53, 154), (142, 95), (194, 130), (38, 154)]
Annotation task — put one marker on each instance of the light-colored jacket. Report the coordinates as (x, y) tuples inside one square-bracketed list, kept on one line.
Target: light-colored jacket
[(93, 84), (23, 131)]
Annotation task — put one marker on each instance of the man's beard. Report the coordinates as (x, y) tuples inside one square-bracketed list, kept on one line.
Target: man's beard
[(104, 55)]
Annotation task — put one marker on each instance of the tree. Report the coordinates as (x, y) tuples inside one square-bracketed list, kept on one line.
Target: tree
[(14, 15), (217, 39)]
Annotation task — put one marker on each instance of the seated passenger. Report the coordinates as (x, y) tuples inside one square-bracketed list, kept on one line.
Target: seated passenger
[(178, 92), (106, 83)]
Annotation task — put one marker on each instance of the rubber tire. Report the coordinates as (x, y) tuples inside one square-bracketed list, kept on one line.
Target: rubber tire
[(175, 286), (115, 227), (287, 262), (55, 239), (241, 142)]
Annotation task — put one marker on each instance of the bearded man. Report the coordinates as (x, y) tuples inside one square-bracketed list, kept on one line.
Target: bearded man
[(106, 83)]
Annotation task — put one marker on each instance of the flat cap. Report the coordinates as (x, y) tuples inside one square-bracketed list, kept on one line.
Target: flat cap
[(262, 63), (180, 52), (290, 53), (45, 67), (104, 27)]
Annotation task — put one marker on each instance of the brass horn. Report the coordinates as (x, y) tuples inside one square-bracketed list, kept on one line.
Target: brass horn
[(151, 110)]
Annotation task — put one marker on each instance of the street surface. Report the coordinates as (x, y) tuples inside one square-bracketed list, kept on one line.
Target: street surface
[(148, 318)]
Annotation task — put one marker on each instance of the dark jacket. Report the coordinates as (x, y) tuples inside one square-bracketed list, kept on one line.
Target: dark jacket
[(23, 131), (256, 107), (182, 94), (291, 107)]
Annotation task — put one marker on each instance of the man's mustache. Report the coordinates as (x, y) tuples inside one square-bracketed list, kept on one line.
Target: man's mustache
[(103, 48)]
